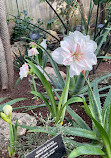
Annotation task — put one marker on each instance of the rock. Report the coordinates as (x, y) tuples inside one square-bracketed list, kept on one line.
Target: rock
[(23, 119), (17, 48), (51, 72), (50, 39)]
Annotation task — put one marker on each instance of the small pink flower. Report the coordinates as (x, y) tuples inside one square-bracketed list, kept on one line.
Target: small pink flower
[(24, 71), (33, 45), (77, 51), (32, 52)]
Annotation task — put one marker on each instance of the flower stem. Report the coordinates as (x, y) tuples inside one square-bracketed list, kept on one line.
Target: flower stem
[(57, 15)]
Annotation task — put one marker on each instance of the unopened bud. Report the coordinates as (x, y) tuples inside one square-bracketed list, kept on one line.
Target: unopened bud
[(7, 109), (5, 117)]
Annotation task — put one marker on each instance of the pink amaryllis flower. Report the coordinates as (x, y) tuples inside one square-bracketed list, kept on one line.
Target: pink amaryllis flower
[(24, 70), (32, 51), (77, 51)]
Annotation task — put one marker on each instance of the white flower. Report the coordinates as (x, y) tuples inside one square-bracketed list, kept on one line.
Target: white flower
[(24, 71), (32, 51), (43, 44), (7, 109), (32, 44), (77, 51)]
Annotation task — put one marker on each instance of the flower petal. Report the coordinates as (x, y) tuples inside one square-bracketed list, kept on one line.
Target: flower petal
[(57, 55)]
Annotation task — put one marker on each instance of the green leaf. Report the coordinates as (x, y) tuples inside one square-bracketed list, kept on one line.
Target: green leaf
[(77, 119), (2, 99), (44, 100), (79, 132), (95, 2), (101, 130), (86, 150), (17, 82), (110, 125), (11, 102), (107, 101), (70, 101), (105, 57), (79, 84), (85, 88), (46, 84), (39, 129), (63, 99), (96, 105), (101, 39)]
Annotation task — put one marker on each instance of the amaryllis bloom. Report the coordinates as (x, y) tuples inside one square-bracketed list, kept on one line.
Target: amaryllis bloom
[(24, 71), (32, 51), (43, 44), (77, 51)]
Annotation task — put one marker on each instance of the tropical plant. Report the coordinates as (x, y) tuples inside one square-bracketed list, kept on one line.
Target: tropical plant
[(21, 28), (99, 134), (57, 112), (77, 83), (101, 125)]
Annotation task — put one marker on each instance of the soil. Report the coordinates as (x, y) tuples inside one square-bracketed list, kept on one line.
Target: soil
[(23, 91)]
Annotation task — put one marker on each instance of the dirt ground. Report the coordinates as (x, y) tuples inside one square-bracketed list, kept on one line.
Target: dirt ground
[(23, 91)]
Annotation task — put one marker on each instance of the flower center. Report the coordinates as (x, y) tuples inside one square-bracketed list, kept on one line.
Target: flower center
[(77, 55)]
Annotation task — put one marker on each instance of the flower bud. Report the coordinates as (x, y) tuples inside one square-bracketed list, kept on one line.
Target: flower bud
[(5, 117), (7, 109)]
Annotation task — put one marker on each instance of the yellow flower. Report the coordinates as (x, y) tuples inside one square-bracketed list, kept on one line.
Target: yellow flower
[(61, 123)]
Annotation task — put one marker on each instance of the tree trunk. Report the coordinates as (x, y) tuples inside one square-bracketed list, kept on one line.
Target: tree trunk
[(3, 67), (6, 45)]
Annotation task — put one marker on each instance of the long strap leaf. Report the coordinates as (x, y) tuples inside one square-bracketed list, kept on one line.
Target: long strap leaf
[(57, 15), (44, 100), (101, 130), (64, 97), (11, 102), (77, 119), (46, 84), (86, 150)]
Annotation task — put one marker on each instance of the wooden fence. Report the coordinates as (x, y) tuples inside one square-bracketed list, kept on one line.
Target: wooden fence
[(35, 9)]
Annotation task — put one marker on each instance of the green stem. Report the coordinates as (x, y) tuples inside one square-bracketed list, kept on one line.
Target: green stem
[(57, 15), (63, 100), (11, 148), (17, 8), (105, 25), (34, 85), (96, 21)]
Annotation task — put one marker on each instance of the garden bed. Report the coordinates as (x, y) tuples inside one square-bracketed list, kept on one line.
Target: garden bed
[(23, 90)]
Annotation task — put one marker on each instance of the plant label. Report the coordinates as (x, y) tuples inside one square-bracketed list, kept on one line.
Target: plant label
[(53, 148)]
